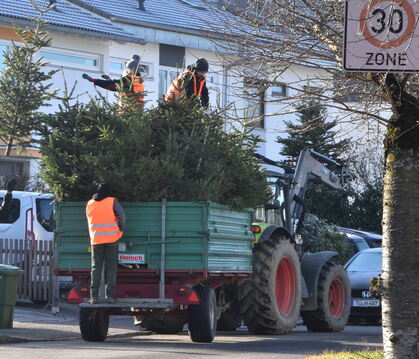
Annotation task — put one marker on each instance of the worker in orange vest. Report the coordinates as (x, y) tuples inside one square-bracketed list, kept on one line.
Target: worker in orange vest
[(190, 83), (130, 84), (106, 220)]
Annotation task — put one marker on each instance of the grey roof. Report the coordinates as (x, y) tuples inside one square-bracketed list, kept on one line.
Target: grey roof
[(66, 16), (192, 15)]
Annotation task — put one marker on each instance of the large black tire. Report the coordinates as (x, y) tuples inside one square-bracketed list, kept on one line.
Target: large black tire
[(270, 302), (333, 301), (231, 319), (94, 324), (163, 324), (203, 316)]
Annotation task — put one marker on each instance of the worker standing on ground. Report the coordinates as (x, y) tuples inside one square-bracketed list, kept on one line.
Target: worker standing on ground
[(130, 84), (7, 203), (106, 220), (190, 83)]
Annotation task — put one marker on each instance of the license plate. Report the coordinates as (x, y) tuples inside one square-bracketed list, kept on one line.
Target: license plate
[(131, 258), (365, 303)]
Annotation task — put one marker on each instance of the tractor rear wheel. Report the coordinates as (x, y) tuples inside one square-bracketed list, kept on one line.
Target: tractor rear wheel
[(333, 301), (270, 301)]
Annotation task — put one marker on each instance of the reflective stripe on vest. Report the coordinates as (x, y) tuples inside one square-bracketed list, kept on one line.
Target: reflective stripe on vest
[(177, 90), (137, 88), (103, 224)]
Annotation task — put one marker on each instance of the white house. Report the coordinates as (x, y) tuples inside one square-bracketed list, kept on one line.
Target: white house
[(98, 37)]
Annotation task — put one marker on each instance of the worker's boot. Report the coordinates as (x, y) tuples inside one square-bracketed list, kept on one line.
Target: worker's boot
[(111, 300), (94, 300)]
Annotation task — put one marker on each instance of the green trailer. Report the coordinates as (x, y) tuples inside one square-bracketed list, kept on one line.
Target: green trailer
[(177, 264)]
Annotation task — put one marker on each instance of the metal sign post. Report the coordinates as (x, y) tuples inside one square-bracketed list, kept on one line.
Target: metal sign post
[(381, 36)]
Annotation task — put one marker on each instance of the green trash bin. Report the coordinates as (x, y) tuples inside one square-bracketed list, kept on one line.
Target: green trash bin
[(9, 280)]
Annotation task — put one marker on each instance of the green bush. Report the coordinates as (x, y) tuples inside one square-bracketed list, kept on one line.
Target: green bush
[(171, 151), (319, 236)]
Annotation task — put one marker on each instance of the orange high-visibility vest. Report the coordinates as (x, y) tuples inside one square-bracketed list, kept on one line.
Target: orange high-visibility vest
[(177, 90), (137, 88), (103, 224)]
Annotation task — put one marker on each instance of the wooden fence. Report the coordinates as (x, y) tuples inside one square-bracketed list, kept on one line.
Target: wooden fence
[(35, 258)]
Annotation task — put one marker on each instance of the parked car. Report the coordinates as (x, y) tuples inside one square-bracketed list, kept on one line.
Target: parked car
[(358, 243), (361, 268), (373, 239), (30, 217)]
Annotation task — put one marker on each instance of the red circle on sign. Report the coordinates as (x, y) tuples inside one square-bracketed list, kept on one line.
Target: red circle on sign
[(411, 20)]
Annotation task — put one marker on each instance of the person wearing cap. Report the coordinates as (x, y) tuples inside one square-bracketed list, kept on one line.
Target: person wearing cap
[(106, 220), (130, 84), (7, 203), (190, 83)]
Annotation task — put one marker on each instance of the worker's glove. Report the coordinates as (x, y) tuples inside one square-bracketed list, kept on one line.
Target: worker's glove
[(10, 186), (106, 77), (87, 77)]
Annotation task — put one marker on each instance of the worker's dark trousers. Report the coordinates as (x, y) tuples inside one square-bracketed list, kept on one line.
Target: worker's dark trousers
[(104, 254)]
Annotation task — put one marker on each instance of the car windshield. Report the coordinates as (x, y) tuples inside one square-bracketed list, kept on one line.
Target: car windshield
[(366, 262)]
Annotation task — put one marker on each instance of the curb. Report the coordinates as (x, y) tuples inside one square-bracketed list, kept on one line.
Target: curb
[(5, 339)]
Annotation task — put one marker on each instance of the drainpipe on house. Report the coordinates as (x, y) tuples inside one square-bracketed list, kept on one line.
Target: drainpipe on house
[(225, 94)]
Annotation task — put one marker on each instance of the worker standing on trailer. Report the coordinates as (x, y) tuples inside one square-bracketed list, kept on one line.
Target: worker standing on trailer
[(190, 83), (130, 84), (106, 220)]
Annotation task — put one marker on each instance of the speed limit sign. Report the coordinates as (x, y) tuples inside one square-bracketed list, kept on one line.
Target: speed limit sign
[(381, 36)]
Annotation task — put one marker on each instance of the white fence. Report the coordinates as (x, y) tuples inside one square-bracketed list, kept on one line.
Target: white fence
[(35, 258)]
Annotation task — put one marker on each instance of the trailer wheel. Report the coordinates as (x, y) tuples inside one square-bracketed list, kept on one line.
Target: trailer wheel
[(270, 302), (333, 301), (94, 324), (203, 316)]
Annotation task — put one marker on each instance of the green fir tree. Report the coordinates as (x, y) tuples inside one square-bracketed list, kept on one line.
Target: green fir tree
[(23, 86), (171, 151), (312, 130)]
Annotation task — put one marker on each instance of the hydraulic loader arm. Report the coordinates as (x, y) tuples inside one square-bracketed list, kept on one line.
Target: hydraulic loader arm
[(311, 167)]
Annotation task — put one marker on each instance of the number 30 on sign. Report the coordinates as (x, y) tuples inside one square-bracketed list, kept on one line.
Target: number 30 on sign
[(379, 35)]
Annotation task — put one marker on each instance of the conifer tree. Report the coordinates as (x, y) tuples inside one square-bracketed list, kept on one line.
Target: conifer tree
[(312, 131), (23, 87)]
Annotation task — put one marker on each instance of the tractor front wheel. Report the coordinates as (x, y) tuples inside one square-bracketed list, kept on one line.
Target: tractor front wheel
[(333, 301)]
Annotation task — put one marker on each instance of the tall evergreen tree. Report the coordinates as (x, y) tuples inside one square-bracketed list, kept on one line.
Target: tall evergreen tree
[(312, 131), (23, 87)]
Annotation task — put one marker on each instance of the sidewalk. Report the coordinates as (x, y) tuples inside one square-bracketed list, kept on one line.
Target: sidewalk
[(35, 323)]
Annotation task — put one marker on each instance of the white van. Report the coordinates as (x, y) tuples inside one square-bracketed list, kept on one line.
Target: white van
[(31, 216)]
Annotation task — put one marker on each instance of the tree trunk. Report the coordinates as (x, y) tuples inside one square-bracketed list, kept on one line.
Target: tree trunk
[(401, 256), (401, 229)]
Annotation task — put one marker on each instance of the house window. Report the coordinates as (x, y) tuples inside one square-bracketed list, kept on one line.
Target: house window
[(71, 60), (279, 90), (166, 76), (312, 90), (172, 56), (118, 67), (255, 96), (3, 50)]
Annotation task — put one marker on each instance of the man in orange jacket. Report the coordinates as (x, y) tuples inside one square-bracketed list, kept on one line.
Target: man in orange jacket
[(106, 220), (190, 83), (131, 82)]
